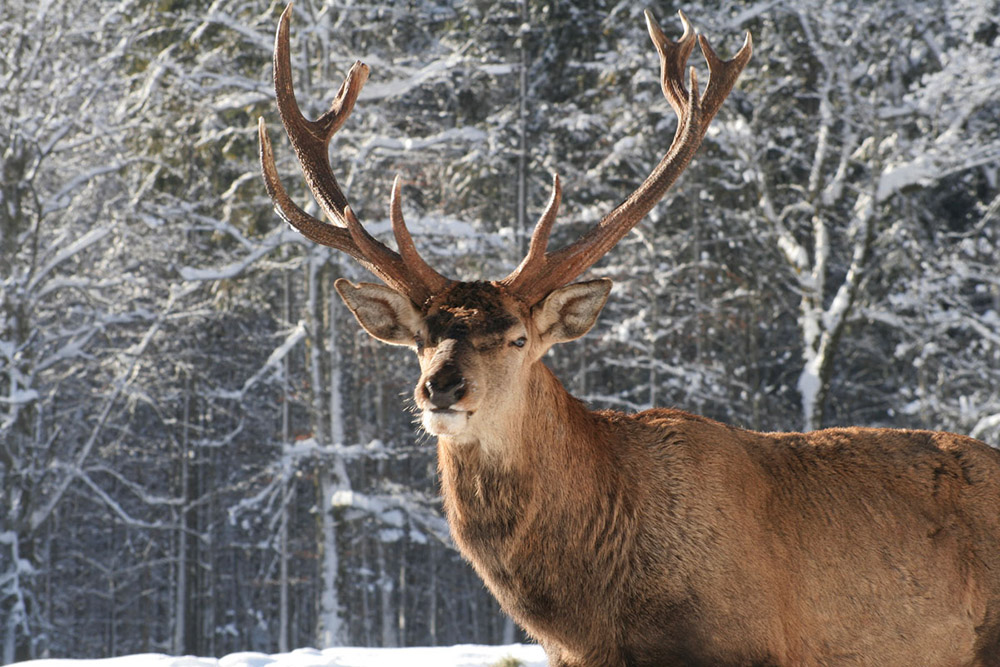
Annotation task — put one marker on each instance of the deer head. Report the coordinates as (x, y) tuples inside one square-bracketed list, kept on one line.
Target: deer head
[(477, 342)]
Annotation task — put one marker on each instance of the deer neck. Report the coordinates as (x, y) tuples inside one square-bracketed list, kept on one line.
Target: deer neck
[(540, 502), (499, 479)]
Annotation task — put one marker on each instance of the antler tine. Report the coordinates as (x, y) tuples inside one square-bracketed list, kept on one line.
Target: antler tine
[(411, 258), (722, 75), (535, 279), (320, 232), (406, 273), (673, 58), (310, 227), (535, 259), (311, 139)]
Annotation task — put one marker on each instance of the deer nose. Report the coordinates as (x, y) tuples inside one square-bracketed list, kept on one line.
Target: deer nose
[(445, 388)]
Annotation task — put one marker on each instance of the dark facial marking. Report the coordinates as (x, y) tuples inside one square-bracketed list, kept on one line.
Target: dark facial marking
[(469, 309)]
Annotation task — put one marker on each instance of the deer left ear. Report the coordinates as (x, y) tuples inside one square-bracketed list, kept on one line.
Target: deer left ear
[(569, 312), (383, 312)]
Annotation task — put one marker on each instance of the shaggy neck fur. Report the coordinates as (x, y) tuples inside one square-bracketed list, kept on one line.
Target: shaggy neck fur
[(513, 503)]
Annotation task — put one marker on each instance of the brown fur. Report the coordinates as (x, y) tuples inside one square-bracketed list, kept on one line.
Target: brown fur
[(661, 538), (664, 538), (667, 538)]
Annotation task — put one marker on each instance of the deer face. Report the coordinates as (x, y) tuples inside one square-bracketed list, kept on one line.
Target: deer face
[(475, 343)]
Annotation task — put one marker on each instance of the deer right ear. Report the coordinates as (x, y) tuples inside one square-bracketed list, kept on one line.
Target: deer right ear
[(383, 312), (569, 312)]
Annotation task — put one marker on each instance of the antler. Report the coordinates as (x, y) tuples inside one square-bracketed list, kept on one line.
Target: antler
[(404, 271), (541, 272)]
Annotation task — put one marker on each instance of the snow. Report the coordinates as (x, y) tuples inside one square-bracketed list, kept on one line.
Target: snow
[(809, 386), (897, 177), (450, 656), (986, 424), (20, 396), (273, 363)]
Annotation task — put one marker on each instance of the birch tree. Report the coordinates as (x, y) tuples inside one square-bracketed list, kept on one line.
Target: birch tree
[(883, 129), (61, 201)]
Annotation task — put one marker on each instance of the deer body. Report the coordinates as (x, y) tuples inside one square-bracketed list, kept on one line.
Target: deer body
[(690, 542), (661, 538)]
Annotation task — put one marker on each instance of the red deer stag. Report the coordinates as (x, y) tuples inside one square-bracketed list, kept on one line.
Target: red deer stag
[(660, 538)]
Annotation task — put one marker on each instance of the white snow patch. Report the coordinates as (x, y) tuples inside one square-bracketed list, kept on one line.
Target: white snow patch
[(900, 176), (19, 396), (985, 425), (449, 656)]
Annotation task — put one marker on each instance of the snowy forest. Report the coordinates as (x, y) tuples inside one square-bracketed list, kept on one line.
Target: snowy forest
[(200, 450)]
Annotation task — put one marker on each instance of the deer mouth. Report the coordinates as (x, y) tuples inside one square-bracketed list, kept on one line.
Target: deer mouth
[(445, 421)]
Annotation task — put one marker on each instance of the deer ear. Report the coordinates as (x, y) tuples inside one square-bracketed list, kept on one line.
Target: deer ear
[(383, 312), (569, 312)]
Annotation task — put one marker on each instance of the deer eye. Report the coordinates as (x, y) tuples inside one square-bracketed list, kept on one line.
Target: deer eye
[(519, 342), (419, 341)]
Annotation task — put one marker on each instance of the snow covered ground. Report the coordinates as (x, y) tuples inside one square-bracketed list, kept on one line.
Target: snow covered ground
[(450, 656)]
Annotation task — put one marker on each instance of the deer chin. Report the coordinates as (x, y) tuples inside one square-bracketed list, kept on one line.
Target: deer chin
[(449, 423)]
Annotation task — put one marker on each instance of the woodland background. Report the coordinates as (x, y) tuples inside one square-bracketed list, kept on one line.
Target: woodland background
[(200, 450)]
